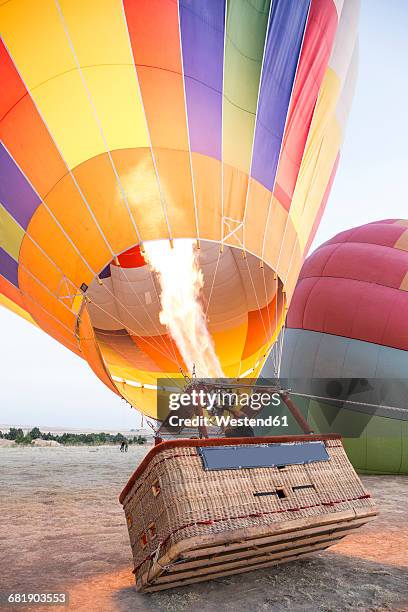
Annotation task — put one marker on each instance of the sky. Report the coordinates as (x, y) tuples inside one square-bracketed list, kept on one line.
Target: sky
[(42, 383)]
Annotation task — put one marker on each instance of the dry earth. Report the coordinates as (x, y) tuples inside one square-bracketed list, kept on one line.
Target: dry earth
[(63, 529)]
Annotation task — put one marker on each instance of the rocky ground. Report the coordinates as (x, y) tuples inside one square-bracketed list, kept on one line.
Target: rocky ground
[(63, 529)]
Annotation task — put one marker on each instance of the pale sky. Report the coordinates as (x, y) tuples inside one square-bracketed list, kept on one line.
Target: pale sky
[(42, 383)]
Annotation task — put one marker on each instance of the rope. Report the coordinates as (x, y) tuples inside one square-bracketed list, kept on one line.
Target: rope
[(334, 399), (283, 137), (222, 125), (157, 329), (159, 185), (156, 345), (263, 324), (277, 355), (187, 128), (134, 333), (255, 122), (117, 178), (271, 329), (96, 117), (213, 282)]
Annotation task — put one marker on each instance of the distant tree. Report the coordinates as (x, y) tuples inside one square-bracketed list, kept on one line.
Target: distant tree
[(35, 433), (22, 439), (70, 438), (14, 433)]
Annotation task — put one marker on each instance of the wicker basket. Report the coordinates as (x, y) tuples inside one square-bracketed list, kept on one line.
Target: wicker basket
[(188, 523)]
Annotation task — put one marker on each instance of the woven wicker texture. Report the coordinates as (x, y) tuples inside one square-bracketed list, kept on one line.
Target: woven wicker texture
[(175, 506)]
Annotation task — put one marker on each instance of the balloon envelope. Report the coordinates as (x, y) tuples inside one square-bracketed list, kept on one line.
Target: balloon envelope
[(126, 122), (347, 339)]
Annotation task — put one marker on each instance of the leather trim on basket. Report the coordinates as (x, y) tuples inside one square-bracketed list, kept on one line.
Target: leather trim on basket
[(189, 443)]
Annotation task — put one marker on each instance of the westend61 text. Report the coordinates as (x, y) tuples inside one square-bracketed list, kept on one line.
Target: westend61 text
[(228, 421)]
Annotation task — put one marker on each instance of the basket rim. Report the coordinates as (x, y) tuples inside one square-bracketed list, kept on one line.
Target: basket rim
[(195, 442)]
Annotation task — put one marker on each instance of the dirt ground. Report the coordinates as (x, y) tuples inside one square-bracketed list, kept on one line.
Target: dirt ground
[(63, 529)]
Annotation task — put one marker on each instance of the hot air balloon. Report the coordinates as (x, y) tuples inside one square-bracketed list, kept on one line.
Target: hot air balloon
[(129, 122), (346, 343)]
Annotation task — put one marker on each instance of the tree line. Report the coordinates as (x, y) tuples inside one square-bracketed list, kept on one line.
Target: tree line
[(17, 434)]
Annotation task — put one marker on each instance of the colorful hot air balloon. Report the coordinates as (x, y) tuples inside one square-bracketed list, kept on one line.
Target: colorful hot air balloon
[(349, 320), (128, 122)]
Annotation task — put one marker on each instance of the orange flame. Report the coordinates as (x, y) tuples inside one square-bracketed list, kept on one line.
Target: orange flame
[(181, 281)]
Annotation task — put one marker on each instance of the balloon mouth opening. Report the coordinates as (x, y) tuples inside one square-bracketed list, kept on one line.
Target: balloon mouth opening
[(142, 303)]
